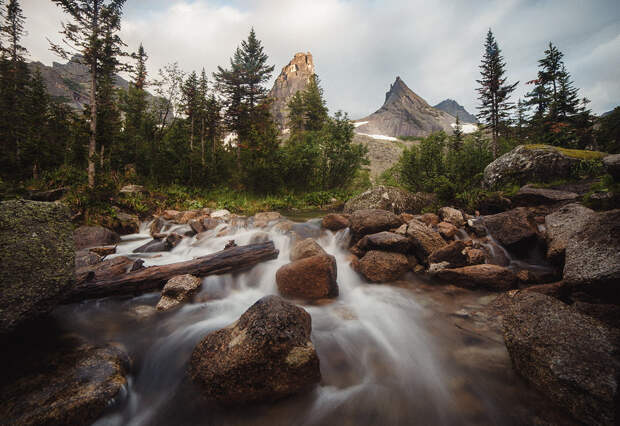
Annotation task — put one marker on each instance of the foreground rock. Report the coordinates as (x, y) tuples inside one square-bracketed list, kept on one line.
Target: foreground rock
[(490, 277), (389, 198), (177, 290), (533, 163), (37, 259), (380, 266), (264, 356), (335, 222), (532, 196), (514, 229), (306, 248), (424, 240), (592, 261), (385, 241), (451, 215), (570, 357), (364, 222), (612, 164), (562, 226), (71, 383), (93, 236), (309, 278), (453, 253)]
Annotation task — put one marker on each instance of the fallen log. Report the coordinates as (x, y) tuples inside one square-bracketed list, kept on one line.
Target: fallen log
[(154, 277)]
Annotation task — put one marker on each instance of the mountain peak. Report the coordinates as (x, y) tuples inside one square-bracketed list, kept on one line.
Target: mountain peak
[(453, 108)]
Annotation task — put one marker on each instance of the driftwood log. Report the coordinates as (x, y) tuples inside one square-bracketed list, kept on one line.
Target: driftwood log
[(154, 277)]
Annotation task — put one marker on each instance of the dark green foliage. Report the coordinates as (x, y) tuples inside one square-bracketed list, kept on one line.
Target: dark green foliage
[(608, 134)]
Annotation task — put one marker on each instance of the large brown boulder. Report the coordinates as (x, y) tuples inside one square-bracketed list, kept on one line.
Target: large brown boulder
[(395, 200), (309, 278), (452, 215), (37, 259), (489, 277), (125, 223), (264, 356), (424, 240), (380, 266), (514, 229), (453, 253), (178, 290), (562, 226), (92, 236), (568, 356), (364, 222), (592, 260), (307, 247), (532, 196), (335, 222), (385, 241), (68, 383)]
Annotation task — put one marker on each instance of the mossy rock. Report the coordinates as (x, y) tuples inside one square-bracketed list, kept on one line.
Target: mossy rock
[(37, 257)]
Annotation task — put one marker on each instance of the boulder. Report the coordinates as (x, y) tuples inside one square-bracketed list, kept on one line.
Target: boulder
[(453, 253), (389, 198), (493, 203), (592, 260), (37, 259), (265, 355), (309, 278), (562, 226), (85, 257), (93, 236), (476, 227), (568, 356), (612, 164), (170, 214), (489, 277), (532, 196), (103, 250), (380, 266), (447, 230), (160, 244), (475, 256), (125, 223), (222, 214), (514, 229), (157, 225), (384, 241), (424, 240), (533, 163), (306, 248), (69, 383), (429, 219), (335, 222), (451, 215), (183, 218), (364, 222), (262, 219), (177, 290)]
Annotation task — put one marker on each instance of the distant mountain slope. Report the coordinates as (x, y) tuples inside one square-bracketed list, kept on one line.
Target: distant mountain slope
[(453, 108), (404, 114), (294, 77)]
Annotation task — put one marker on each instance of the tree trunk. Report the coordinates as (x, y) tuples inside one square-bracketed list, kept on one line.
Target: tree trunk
[(154, 277)]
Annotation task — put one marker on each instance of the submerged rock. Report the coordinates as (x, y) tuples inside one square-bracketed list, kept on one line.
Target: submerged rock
[(264, 356), (309, 278), (71, 383), (306, 248), (568, 356), (389, 198), (177, 290), (92, 236), (380, 266), (490, 277), (37, 259), (364, 222)]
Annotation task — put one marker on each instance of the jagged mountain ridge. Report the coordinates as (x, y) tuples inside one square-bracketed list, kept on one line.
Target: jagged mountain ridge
[(453, 108), (404, 113), (294, 77)]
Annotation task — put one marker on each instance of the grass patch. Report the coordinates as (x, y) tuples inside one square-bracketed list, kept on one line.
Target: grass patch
[(579, 154)]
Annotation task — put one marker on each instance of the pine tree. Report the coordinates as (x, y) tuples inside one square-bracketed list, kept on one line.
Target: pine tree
[(457, 135), (315, 109), (190, 103), (521, 120), (494, 91), (256, 72), (549, 75), (203, 92), (92, 22), (567, 99), (140, 73), (296, 113)]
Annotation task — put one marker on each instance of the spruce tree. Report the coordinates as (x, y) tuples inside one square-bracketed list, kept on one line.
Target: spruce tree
[(296, 117), (92, 22), (256, 72), (457, 135), (203, 93), (315, 109), (494, 91), (140, 74)]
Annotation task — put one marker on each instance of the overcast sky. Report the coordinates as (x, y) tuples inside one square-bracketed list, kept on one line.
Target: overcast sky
[(360, 46)]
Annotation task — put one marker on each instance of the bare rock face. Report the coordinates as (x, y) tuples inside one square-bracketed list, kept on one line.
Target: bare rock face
[(37, 260), (405, 114), (309, 278), (306, 248), (566, 355), (490, 277), (177, 290), (388, 198), (380, 266), (293, 78), (561, 226), (264, 356), (424, 240)]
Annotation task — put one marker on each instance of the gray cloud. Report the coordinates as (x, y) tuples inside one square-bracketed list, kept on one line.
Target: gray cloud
[(360, 47)]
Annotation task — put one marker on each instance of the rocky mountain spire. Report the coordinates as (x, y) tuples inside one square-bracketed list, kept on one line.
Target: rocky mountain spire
[(294, 77)]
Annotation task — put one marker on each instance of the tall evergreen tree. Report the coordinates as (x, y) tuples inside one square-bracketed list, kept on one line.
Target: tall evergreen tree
[(256, 72), (92, 22), (457, 135), (494, 91), (315, 109), (140, 69)]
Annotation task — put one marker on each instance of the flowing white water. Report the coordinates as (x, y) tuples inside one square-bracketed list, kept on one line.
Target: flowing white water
[(379, 363)]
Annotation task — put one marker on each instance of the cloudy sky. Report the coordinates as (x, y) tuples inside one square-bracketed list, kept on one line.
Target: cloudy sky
[(360, 46)]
